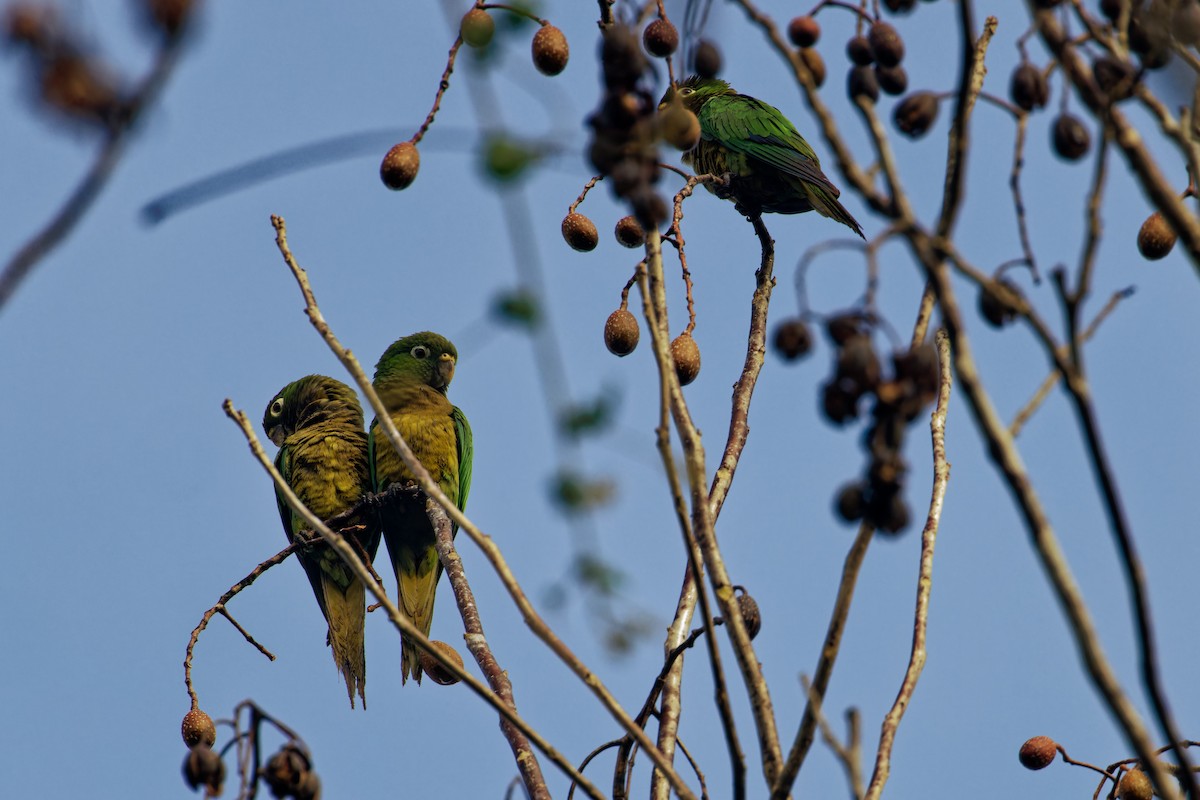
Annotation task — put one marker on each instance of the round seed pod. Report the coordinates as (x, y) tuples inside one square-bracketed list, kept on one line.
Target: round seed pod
[(792, 339), (550, 50), (994, 307), (580, 232), (621, 332), (285, 771), (660, 38), (1071, 138), (686, 355), (400, 165), (707, 59), (886, 44), (838, 403), (804, 31), (1156, 237), (851, 502), (477, 28), (1115, 77), (751, 616), (198, 729), (892, 80), (889, 513), (861, 82), (915, 114), (436, 672), (203, 767), (1028, 88), (858, 49), (900, 6), (1038, 752), (679, 127), (816, 65), (1135, 785), (629, 233)]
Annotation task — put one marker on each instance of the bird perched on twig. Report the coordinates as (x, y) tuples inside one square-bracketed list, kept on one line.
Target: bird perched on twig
[(768, 165)]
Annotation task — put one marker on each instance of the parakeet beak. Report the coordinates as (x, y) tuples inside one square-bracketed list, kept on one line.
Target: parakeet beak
[(276, 435), (667, 99), (445, 371)]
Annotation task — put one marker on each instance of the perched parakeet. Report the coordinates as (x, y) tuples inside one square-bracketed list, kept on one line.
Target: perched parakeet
[(770, 166), (318, 425), (411, 379)]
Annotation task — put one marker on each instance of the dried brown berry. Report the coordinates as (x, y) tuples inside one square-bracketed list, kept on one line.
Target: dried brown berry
[(203, 767), (80, 87), (900, 6), (886, 44), (660, 38), (804, 31), (915, 114), (1156, 237), (892, 80), (859, 51), (889, 513), (198, 728), (838, 403), (1115, 77), (1028, 88), (816, 65), (436, 672), (477, 28), (851, 501), (169, 16), (751, 616), (400, 165), (862, 83), (843, 327), (707, 59), (285, 771), (621, 332), (679, 126), (580, 232), (309, 787), (858, 364), (686, 355), (1135, 785), (1038, 752), (550, 51), (1071, 137), (792, 340), (629, 233), (994, 306)]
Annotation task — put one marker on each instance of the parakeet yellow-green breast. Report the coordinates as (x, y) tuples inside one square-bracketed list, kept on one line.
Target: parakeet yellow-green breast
[(770, 166), (318, 425), (411, 379)]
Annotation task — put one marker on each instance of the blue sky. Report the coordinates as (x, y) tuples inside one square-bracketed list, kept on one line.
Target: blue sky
[(131, 502)]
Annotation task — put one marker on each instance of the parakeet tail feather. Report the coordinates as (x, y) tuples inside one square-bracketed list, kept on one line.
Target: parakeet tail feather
[(346, 611)]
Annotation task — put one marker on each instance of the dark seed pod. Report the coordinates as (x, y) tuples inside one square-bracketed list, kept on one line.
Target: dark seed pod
[(707, 59), (844, 327), (477, 28), (198, 729), (858, 365), (169, 16), (686, 355), (858, 49), (919, 366), (649, 208), (1028, 88), (1071, 137), (892, 80), (915, 114), (550, 50), (792, 340), (861, 82), (621, 332), (1038, 752), (1156, 237), (1115, 77), (203, 767), (851, 502), (751, 616), (660, 38), (889, 513), (804, 31), (436, 672), (816, 65), (886, 44), (580, 232), (629, 233), (994, 306), (309, 787), (400, 165), (899, 6), (285, 771), (838, 403)]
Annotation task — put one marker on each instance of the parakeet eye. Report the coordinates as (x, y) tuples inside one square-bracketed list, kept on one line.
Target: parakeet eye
[(277, 407), (686, 90), (420, 351)]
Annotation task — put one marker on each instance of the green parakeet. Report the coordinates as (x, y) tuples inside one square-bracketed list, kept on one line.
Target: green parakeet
[(411, 379), (770, 166), (318, 425)]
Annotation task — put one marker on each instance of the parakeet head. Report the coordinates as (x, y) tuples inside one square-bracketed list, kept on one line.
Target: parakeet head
[(696, 91), (425, 357), (312, 399)]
